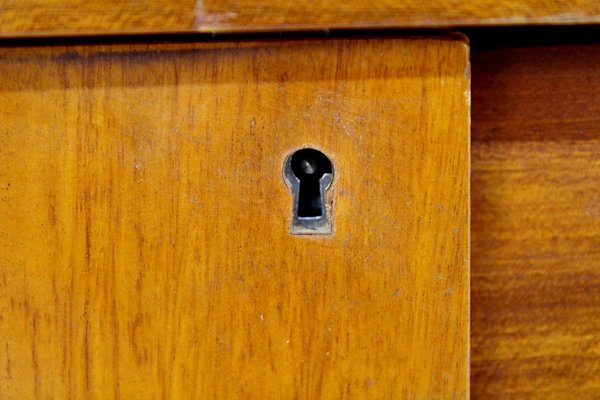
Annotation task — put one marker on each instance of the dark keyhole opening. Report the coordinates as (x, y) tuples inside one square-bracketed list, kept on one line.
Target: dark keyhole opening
[(309, 166)]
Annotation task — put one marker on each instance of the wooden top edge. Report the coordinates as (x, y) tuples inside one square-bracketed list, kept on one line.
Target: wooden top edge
[(47, 18)]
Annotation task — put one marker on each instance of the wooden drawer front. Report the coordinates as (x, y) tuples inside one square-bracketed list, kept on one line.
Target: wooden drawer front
[(145, 224)]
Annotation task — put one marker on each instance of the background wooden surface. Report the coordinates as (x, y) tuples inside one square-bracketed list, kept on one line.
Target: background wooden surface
[(536, 223), (113, 17), (144, 220)]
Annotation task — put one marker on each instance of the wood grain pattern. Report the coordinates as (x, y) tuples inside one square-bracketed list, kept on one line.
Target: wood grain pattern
[(88, 17), (536, 223), (145, 250)]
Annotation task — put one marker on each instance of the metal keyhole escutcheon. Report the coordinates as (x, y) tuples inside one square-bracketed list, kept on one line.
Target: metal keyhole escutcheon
[(309, 173)]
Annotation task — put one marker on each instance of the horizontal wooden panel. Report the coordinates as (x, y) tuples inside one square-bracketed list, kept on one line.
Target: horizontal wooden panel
[(536, 223), (88, 17), (145, 245)]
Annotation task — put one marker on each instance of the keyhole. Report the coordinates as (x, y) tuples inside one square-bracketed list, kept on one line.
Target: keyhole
[(309, 174)]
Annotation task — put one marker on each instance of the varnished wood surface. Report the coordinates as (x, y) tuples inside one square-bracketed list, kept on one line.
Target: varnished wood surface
[(536, 223), (94, 17), (144, 244)]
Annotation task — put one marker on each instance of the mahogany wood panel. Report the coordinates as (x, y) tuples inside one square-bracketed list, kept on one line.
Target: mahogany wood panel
[(87, 17), (536, 223), (145, 246)]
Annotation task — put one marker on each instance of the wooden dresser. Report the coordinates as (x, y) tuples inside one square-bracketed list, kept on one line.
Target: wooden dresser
[(266, 199)]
